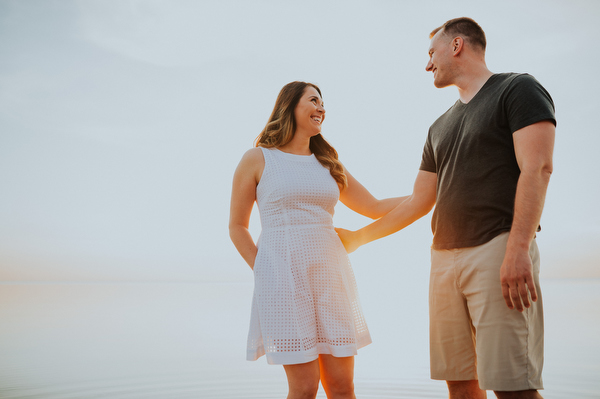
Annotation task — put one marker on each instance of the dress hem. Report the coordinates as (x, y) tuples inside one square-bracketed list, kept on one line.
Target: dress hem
[(288, 358)]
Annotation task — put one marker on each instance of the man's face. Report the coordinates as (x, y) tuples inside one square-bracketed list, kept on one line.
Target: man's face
[(441, 60)]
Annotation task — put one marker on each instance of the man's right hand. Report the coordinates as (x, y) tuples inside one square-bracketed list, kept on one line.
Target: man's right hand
[(348, 238)]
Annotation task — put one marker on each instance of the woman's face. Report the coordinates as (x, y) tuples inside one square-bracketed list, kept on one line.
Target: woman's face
[(309, 112)]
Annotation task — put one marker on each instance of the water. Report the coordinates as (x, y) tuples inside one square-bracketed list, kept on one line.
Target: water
[(182, 340)]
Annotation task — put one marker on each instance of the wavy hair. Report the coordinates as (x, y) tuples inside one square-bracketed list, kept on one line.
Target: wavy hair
[(281, 127)]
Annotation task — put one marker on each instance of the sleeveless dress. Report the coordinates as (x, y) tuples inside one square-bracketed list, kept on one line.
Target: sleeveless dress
[(305, 299)]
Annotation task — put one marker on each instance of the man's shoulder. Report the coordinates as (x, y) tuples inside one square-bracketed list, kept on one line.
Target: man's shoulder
[(510, 79), (508, 76), (514, 86)]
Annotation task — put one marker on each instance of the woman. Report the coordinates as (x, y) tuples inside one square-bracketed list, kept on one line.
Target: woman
[(305, 311)]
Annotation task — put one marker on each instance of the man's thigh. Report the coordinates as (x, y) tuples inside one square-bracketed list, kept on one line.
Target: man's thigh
[(509, 343), (473, 334), (451, 333)]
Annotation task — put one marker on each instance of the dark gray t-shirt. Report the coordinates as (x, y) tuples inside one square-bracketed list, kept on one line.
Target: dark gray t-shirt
[(470, 148)]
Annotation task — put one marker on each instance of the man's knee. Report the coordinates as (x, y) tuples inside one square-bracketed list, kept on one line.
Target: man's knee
[(529, 394), (465, 390)]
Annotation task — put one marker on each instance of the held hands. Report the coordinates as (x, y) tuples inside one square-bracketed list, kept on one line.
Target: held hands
[(348, 239), (516, 277)]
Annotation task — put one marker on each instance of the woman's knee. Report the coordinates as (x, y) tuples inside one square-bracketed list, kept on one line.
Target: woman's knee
[(303, 380), (339, 387), (337, 376), (303, 389)]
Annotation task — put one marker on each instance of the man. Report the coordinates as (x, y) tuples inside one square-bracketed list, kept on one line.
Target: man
[(486, 166)]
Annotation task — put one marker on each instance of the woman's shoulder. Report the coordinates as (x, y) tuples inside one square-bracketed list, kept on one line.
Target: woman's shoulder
[(254, 152), (251, 165), (253, 157)]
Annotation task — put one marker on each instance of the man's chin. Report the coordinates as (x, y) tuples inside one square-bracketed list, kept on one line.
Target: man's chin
[(441, 85)]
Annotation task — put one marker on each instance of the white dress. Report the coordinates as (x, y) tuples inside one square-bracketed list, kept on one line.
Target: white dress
[(305, 298)]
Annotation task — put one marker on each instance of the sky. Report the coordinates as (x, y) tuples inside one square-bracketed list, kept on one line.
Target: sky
[(121, 123)]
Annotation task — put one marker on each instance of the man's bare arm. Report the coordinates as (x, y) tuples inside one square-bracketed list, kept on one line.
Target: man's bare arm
[(417, 205), (534, 146)]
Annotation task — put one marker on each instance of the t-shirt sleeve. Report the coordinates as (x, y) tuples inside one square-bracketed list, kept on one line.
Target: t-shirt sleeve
[(527, 102), (428, 160)]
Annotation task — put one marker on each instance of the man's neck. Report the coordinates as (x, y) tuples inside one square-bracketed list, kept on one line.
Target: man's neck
[(471, 83)]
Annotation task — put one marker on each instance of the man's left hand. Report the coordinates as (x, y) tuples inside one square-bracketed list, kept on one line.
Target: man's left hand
[(516, 277)]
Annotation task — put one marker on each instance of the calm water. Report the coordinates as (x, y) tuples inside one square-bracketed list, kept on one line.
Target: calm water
[(188, 341)]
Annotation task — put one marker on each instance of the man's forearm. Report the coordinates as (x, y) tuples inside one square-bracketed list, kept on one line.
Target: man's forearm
[(529, 203), (403, 215), (418, 204), (387, 205)]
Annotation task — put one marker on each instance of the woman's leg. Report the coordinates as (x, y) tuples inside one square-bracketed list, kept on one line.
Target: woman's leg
[(337, 376), (303, 380)]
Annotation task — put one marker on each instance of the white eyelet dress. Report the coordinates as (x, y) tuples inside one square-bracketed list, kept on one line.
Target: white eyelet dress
[(305, 298)]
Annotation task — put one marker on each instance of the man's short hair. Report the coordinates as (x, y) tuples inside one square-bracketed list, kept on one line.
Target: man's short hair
[(466, 28)]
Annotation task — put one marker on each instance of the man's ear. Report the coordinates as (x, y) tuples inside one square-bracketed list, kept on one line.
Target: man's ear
[(457, 45)]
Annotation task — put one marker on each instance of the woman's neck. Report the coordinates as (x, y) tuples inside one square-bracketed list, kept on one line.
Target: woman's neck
[(298, 145)]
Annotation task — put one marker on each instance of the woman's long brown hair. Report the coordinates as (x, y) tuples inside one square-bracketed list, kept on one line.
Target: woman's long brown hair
[(281, 127)]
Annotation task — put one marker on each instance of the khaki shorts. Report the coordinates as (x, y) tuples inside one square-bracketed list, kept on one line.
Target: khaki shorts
[(473, 334)]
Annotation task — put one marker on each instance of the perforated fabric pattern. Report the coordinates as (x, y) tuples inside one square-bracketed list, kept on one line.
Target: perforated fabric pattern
[(305, 298)]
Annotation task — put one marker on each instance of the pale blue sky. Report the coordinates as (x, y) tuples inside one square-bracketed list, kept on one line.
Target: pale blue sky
[(121, 123)]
